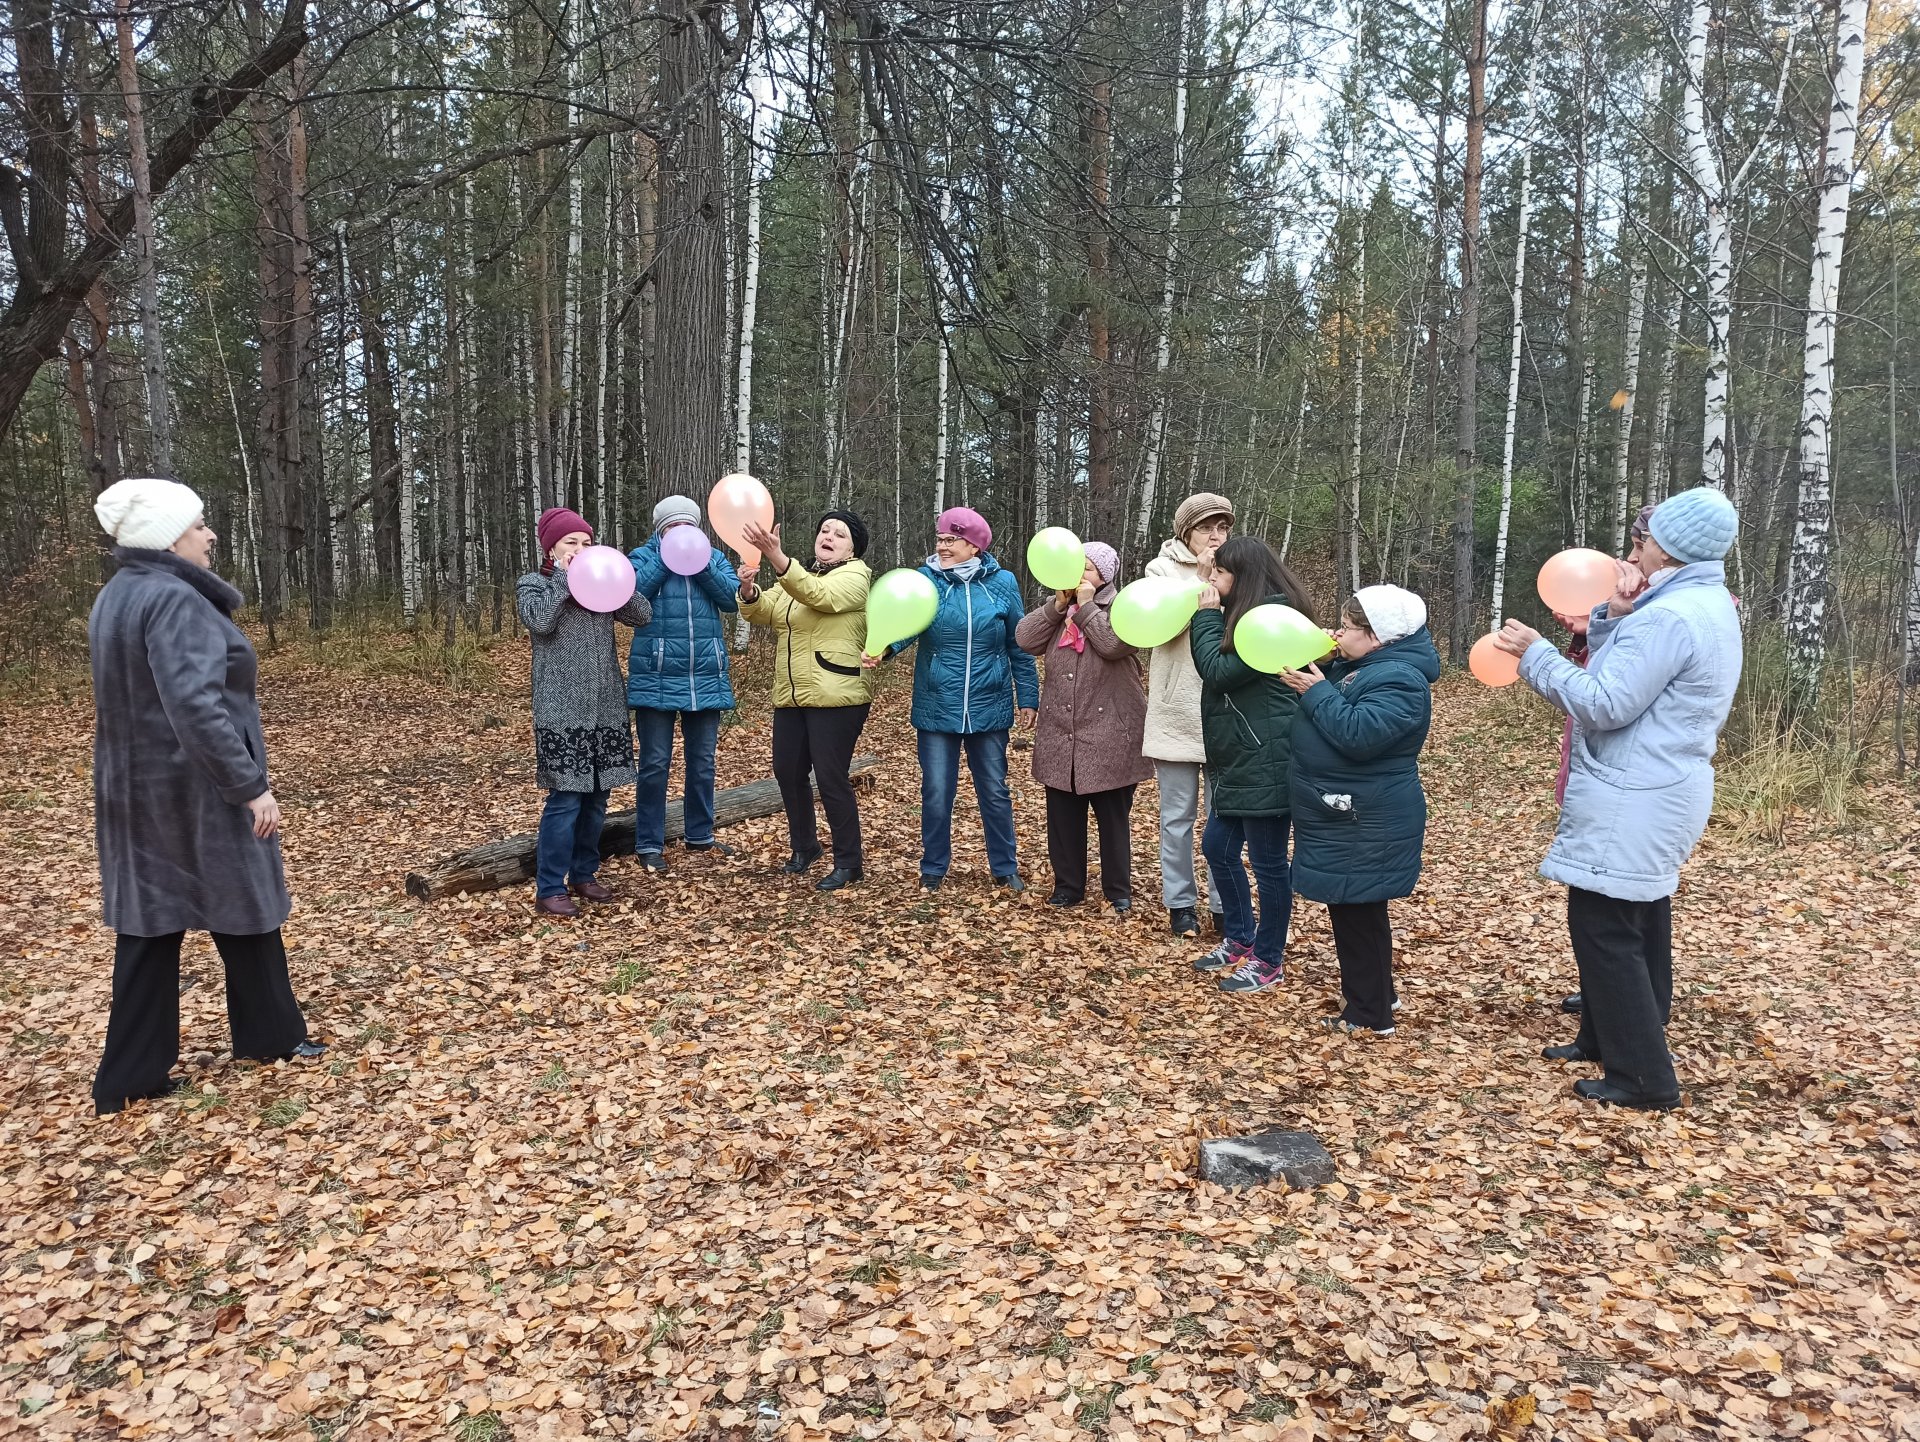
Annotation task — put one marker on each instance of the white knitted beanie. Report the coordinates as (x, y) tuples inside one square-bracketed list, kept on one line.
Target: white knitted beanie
[(144, 513)]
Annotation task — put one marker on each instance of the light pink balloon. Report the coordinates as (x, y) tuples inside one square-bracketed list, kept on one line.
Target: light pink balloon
[(600, 578), (735, 500), (1576, 581), (686, 550)]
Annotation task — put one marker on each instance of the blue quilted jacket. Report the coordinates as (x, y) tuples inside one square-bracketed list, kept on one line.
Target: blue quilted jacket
[(968, 671), (678, 661)]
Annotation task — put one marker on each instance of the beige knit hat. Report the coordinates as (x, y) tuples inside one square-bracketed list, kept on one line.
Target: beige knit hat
[(1197, 508), (144, 513)]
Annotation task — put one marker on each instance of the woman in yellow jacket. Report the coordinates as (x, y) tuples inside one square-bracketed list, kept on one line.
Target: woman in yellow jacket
[(821, 693)]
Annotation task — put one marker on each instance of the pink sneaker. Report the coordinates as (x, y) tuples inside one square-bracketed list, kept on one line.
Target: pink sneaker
[(1255, 975)]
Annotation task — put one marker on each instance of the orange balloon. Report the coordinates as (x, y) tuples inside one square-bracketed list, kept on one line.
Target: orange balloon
[(1490, 665), (1576, 581), (734, 501)]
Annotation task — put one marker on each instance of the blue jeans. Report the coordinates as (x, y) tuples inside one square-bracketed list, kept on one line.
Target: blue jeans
[(940, 782), (569, 845), (699, 734), (1264, 839)]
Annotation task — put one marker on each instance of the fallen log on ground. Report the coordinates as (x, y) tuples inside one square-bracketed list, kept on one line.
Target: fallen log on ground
[(495, 864)]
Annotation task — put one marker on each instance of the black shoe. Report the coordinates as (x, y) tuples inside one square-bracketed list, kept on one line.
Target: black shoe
[(1183, 921), (307, 1049), (840, 876), (1595, 1090), (1572, 1051), (1060, 898), (1217, 922), (718, 848), (653, 861), (1012, 883), (931, 883), (1572, 1005), (799, 862), (1123, 907)]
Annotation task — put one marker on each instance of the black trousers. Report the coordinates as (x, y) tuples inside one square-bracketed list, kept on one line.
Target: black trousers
[(1067, 841), (1625, 953), (1363, 940), (819, 741), (143, 1030)]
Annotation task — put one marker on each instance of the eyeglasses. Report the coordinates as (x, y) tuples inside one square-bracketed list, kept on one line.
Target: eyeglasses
[(946, 540)]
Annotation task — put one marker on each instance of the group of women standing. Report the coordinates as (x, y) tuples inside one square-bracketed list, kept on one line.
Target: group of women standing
[(1322, 760)]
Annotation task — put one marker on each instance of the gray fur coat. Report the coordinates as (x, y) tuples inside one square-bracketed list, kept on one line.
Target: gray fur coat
[(582, 734), (177, 754)]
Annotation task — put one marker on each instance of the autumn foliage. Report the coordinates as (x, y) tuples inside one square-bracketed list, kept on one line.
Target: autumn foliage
[(731, 1159)]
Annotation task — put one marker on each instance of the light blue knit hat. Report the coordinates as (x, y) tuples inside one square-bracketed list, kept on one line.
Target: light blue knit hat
[(1696, 525)]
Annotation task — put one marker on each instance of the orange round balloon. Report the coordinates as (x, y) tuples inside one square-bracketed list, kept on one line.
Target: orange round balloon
[(737, 499), (1576, 581), (1490, 665)]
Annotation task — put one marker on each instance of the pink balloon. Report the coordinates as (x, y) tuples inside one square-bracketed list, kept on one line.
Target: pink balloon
[(686, 550), (1490, 665), (1576, 581), (600, 578), (736, 500)]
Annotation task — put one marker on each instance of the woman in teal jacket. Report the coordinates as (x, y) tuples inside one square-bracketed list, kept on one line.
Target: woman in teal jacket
[(1359, 814), (678, 667), (971, 681), (1246, 720)]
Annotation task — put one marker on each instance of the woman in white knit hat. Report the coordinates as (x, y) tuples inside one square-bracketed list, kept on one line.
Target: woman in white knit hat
[(186, 823)]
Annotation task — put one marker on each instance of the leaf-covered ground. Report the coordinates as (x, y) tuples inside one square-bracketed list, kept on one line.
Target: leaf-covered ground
[(734, 1160)]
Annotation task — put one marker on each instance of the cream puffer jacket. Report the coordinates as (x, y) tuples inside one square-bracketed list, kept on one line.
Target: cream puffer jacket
[(1173, 686)]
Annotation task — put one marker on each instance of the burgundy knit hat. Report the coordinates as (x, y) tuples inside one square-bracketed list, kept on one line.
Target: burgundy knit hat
[(558, 521)]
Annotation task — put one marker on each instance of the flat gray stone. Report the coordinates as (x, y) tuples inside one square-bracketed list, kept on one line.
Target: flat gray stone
[(1297, 1158)]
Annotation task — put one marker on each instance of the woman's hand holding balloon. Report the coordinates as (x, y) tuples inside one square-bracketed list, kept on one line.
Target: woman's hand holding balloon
[(1209, 599), (1084, 594), (749, 590), (1301, 681), (869, 662), (1632, 583), (1515, 637), (766, 540)]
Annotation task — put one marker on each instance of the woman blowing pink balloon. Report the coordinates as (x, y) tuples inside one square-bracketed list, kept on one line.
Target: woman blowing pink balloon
[(582, 739)]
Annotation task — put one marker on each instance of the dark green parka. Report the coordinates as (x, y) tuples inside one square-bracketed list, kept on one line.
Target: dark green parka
[(1246, 718)]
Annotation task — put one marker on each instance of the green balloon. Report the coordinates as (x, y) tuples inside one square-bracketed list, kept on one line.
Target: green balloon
[(1153, 610), (1275, 638), (900, 605), (1056, 558)]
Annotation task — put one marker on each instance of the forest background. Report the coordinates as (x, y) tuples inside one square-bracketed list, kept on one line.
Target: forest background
[(1433, 290)]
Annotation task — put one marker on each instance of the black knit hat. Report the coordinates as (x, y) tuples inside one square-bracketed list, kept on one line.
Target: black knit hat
[(856, 528)]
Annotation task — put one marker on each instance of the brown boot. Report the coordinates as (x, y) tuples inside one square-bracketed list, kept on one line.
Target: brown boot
[(556, 906), (591, 891)]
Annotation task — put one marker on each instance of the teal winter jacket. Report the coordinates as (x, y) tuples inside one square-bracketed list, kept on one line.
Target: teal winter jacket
[(969, 673), (678, 660), (1359, 814), (1247, 720)]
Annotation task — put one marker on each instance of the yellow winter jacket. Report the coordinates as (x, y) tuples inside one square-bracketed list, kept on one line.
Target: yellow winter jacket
[(819, 624)]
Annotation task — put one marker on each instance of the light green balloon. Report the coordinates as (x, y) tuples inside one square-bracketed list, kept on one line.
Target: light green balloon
[(1275, 638), (1153, 610), (1056, 558), (900, 605)]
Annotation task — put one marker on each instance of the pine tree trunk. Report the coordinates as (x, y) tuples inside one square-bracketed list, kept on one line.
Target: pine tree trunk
[(1809, 587), (1660, 434), (146, 271), (1468, 349), (1163, 344)]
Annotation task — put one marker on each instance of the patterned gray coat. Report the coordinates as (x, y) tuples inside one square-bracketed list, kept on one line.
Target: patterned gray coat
[(582, 732), (177, 754)]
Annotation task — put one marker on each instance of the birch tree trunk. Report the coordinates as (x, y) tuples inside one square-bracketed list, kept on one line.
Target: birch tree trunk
[(1359, 329), (758, 172), (1163, 345), (1809, 582), (1630, 385), (1519, 326), (1468, 349), (1660, 434), (146, 271)]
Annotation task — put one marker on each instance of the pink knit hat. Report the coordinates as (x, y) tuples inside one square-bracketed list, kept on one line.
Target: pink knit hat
[(969, 525), (558, 521)]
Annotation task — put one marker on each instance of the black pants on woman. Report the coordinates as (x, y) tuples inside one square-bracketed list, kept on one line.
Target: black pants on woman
[(143, 1030), (1625, 953), (819, 740), (1067, 842), (1363, 940)]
